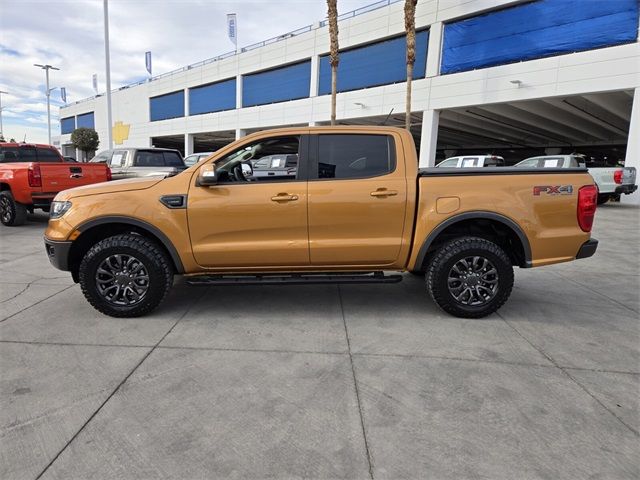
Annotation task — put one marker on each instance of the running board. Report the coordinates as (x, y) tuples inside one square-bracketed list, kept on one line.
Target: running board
[(293, 279)]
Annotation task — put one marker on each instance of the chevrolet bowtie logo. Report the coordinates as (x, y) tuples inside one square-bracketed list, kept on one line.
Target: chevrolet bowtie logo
[(120, 132)]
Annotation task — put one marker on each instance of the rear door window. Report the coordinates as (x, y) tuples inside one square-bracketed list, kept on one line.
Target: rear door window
[(48, 155), (355, 156), (28, 154)]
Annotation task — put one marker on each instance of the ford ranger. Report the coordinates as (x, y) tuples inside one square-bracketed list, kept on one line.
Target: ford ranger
[(31, 175), (357, 210)]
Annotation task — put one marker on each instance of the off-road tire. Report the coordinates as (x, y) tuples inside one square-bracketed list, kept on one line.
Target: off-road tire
[(17, 212), (446, 257), (154, 259), (603, 198)]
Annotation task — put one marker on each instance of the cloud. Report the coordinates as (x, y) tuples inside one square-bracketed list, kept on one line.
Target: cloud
[(177, 32)]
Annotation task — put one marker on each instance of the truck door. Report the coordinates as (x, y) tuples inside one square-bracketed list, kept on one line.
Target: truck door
[(249, 221), (357, 199)]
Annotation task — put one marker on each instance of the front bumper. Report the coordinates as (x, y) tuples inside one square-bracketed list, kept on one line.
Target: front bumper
[(587, 249), (627, 189), (58, 253)]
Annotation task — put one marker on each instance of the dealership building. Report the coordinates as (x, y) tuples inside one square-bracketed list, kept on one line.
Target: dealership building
[(512, 78)]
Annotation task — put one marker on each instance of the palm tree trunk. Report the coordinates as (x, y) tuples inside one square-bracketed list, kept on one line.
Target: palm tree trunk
[(410, 27), (333, 54), (407, 117)]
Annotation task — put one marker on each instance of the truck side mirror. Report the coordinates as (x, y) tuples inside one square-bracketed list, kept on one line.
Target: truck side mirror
[(207, 176)]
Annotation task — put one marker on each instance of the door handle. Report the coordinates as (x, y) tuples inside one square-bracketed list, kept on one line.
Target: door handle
[(383, 192), (75, 175), (284, 197)]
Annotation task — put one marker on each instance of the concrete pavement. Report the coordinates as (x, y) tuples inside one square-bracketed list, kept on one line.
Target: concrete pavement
[(324, 381)]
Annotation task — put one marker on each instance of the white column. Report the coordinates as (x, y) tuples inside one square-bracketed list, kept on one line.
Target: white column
[(315, 69), (429, 138), (186, 102), (238, 91), (632, 158), (188, 144), (240, 133), (434, 50)]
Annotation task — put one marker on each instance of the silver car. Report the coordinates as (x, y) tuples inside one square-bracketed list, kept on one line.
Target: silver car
[(141, 162), (194, 158)]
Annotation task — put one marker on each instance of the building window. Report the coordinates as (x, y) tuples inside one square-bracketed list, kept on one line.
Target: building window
[(67, 125), (380, 63), (536, 30), (214, 97), (278, 85), (167, 106), (86, 120)]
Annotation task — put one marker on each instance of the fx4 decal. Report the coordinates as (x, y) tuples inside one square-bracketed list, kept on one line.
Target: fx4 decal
[(553, 190)]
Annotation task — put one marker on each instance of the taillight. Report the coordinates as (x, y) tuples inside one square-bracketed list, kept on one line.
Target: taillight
[(587, 201), (109, 176), (617, 176), (34, 175)]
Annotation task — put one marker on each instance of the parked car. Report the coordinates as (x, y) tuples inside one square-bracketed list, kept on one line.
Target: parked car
[(357, 207), (611, 181), (194, 158), (32, 174), (141, 162), (275, 166), (472, 161)]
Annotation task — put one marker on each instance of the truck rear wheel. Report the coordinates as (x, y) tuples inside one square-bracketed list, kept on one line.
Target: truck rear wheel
[(470, 277), (125, 275), (603, 198), (12, 213)]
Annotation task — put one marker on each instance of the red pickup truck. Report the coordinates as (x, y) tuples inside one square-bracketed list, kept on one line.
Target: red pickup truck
[(32, 174)]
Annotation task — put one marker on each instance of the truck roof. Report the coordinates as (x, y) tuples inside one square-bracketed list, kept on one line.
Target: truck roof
[(16, 144)]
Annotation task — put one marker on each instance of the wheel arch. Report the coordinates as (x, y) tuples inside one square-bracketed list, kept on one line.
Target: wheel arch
[(490, 225), (97, 229)]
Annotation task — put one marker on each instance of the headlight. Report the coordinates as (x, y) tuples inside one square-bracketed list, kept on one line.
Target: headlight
[(58, 209)]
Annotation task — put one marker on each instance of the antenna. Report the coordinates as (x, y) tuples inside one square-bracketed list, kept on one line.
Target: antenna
[(386, 119), (24, 140)]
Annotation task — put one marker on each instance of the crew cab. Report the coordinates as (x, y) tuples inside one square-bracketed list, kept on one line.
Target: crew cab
[(357, 210), (611, 181), (32, 174)]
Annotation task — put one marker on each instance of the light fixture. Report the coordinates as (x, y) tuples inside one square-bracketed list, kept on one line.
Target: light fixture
[(360, 104), (516, 82)]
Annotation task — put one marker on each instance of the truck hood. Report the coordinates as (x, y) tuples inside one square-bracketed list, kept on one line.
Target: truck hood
[(115, 186)]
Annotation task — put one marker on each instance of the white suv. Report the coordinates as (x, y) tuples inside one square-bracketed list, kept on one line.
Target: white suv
[(472, 161)]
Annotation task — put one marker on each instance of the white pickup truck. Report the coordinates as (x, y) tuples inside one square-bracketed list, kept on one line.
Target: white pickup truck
[(611, 181)]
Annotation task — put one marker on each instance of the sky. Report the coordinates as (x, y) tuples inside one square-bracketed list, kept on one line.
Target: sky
[(69, 35)]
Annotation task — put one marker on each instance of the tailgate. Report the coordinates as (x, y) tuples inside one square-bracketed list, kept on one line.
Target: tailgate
[(61, 176)]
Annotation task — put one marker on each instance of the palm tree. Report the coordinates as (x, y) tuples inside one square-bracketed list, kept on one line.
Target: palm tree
[(333, 55), (410, 27)]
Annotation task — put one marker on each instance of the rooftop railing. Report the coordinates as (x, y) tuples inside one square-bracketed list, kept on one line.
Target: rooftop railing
[(264, 43)]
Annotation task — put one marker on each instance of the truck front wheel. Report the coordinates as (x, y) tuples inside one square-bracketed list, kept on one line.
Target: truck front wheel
[(125, 275), (470, 277), (12, 213)]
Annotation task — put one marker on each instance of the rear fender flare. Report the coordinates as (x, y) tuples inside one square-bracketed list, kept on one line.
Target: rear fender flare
[(422, 253)]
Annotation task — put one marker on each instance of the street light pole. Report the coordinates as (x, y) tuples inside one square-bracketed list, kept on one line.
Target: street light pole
[(1, 127), (108, 73), (46, 68)]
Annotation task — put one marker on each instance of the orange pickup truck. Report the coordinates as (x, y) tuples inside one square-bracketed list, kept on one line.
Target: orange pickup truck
[(349, 206), (31, 175)]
